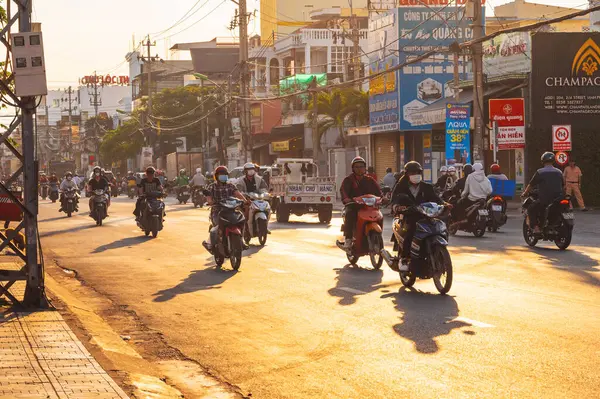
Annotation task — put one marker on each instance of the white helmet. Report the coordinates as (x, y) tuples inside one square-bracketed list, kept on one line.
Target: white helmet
[(451, 169), (444, 168), (249, 165), (198, 170)]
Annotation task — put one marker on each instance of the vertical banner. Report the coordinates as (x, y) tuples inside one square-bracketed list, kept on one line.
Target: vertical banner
[(458, 126), (402, 152), (427, 170), (520, 168)]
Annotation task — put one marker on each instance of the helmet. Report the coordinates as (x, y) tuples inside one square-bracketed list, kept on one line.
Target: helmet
[(413, 167), (182, 171), (388, 170), (97, 169), (150, 170), (444, 168), (221, 170), (198, 170), (495, 168), (68, 174), (43, 173), (249, 166), (467, 169), (103, 170), (357, 160), (129, 172), (548, 157), (451, 169)]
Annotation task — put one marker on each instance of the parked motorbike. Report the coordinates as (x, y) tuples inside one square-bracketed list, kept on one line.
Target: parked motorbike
[(429, 256), (198, 197), (152, 214), (53, 192), (44, 190), (258, 217), (70, 201), (100, 201), (496, 206), (368, 239), (558, 223), (183, 194), (228, 242), (477, 219)]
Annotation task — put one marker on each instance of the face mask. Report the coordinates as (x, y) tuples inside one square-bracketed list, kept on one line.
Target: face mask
[(223, 178), (97, 173), (415, 179), (69, 178), (251, 172)]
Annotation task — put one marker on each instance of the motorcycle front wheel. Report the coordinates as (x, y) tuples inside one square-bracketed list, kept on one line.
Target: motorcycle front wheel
[(375, 242), (530, 239), (441, 264), (235, 251), (262, 231), (408, 279)]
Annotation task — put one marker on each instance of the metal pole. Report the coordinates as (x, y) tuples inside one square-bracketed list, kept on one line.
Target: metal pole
[(149, 61), (70, 121), (35, 279), (244, 81), (495, 138), (478, 83)]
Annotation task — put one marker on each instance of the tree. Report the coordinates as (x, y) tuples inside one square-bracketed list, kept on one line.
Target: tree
[(338, 109), (123, 142)]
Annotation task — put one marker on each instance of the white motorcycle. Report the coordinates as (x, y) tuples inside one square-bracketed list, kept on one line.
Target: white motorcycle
[(258, 217)]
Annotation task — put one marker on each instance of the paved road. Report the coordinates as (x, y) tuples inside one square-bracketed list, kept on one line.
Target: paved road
[(297, 322)]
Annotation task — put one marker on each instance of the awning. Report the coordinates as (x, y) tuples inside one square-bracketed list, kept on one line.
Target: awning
[(285, 132), (436, 113)]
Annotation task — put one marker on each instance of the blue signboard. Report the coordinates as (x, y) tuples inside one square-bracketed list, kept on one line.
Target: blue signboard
[(422, 29), (384, 105), (458, 127)]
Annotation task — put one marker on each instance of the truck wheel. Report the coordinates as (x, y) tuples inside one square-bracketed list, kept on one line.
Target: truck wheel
[(283, 213), (325, 214)]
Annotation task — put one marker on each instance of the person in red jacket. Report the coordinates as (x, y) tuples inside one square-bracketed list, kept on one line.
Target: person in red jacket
[(355, 185)]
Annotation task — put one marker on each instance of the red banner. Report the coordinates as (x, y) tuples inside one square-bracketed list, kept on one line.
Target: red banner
[(509, 115)]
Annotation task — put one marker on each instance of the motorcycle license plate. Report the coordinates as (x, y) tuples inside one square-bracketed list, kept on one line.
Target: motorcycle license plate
[(497, 208), (568, 216), (185, 193), (483, 212)]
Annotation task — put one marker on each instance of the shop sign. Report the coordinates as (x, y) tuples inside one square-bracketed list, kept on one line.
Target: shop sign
[(281, 145), (458, 127), (105, 80), (509, 115), (508, 53)]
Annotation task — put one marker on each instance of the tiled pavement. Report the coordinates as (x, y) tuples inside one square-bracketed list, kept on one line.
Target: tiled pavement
[(40, 357)]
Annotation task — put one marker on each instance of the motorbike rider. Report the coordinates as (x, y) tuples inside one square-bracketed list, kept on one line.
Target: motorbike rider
[(218, 191), (443, 182), (356, 184), (389, 180), (67, 184), (251, 182), (182, 179), (411, 190), (98, 182), (496, 173), (460, 183), (53, 179), (549, 183), (198, 180), (148, 184), (43, 178), (477, 187)]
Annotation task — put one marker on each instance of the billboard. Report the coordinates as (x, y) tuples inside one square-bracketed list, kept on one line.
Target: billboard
[(422, 29), (508, 53), (509, 115), (383, 55), (458, 128)]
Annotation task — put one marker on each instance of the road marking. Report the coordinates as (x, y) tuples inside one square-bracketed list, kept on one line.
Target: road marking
[(351, 290), (472, 322), (278, 271)]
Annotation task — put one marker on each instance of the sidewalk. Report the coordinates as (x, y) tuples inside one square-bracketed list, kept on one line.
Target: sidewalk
[(40, 357)]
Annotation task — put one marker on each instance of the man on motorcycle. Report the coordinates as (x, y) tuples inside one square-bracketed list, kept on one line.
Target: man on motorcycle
[(251, 182), (98, 182), (67, 184), (389, 179), (496, 173), (460, 183), (198, 180), (549, 183), (53, 179), (218, 191), (43, 178), (477, 187), (443, 181), (355, 185), (149, 184), (183, 179), (411, 190)]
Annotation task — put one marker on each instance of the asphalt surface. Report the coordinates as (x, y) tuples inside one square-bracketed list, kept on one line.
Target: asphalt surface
[(297, 322)]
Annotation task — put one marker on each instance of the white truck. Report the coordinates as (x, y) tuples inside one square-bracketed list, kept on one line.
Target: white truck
[(299, 189)]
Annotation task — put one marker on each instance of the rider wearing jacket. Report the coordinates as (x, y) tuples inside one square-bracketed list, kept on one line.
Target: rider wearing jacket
[(411, 190), (149, 184), (496, 173), (198, 179), (98, 182), (460, 183), (251, 182), (355, 185), (66, 184), (477, 187)]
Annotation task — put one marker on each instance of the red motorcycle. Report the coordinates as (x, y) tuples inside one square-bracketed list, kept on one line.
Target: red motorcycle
[(368, 238)]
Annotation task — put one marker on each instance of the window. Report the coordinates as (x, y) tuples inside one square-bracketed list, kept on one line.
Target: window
[(338, 58), (34, 40), (36, 61), (19, 41), (21, 62)]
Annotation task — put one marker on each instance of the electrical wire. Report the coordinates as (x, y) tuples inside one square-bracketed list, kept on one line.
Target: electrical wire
[(182, 19), (186, 113), (219, 106), (198, 21)]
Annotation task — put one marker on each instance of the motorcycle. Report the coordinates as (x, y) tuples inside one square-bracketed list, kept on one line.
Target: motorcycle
[(558, 223), (131, 190), (429, 256), (227, 243), (100, 201), (477, 219), (496, 207), (53, 192), (152, 214), (44, 190), (70, 201), (368, 238), (198, 197), (258, 218), (183, 194)]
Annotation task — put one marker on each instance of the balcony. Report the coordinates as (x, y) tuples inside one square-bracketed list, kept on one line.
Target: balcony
[(317, 38)]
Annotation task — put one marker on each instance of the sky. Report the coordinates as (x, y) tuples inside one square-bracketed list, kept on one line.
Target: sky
[(83, 36)]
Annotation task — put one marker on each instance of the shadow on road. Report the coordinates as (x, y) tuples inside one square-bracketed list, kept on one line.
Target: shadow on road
[(62, 217), (122, 243), (425, 317), (198, 280), (352, 281)]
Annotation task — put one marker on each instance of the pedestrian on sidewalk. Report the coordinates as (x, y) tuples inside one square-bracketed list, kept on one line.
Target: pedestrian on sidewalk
[(572, 175)]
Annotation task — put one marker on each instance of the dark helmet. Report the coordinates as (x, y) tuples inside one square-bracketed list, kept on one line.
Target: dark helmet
[(495, 168), (548, 157), (357, 160), (467, 169), (68, 174), (150, 170), (413, 167), (388, 170), (221, 170)]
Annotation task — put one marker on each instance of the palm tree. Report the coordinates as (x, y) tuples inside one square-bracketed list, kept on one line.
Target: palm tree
[(337, 109)]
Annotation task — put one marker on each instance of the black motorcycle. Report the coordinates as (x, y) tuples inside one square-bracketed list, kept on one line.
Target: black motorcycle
[(198, 197), (183, 194), (496, 206), (477, 218), (558, 223), (53, 191), (152, 214), (70, 201), (100, 210), (228, 243), (429, 256), (44, 190)]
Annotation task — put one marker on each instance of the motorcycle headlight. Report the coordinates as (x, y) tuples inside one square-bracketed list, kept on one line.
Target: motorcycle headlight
[(369, 201)]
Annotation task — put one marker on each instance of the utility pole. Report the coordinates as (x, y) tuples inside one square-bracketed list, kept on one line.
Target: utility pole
[(149, 60), (315, 121), (95, 101), (355, 37), (244, 79), (478, 82), (69, 92)]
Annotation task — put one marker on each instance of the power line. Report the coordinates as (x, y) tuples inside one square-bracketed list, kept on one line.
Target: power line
[(197, 22), (182, 19)]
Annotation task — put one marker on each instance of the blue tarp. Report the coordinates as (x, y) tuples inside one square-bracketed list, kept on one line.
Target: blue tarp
[(504, 188)]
